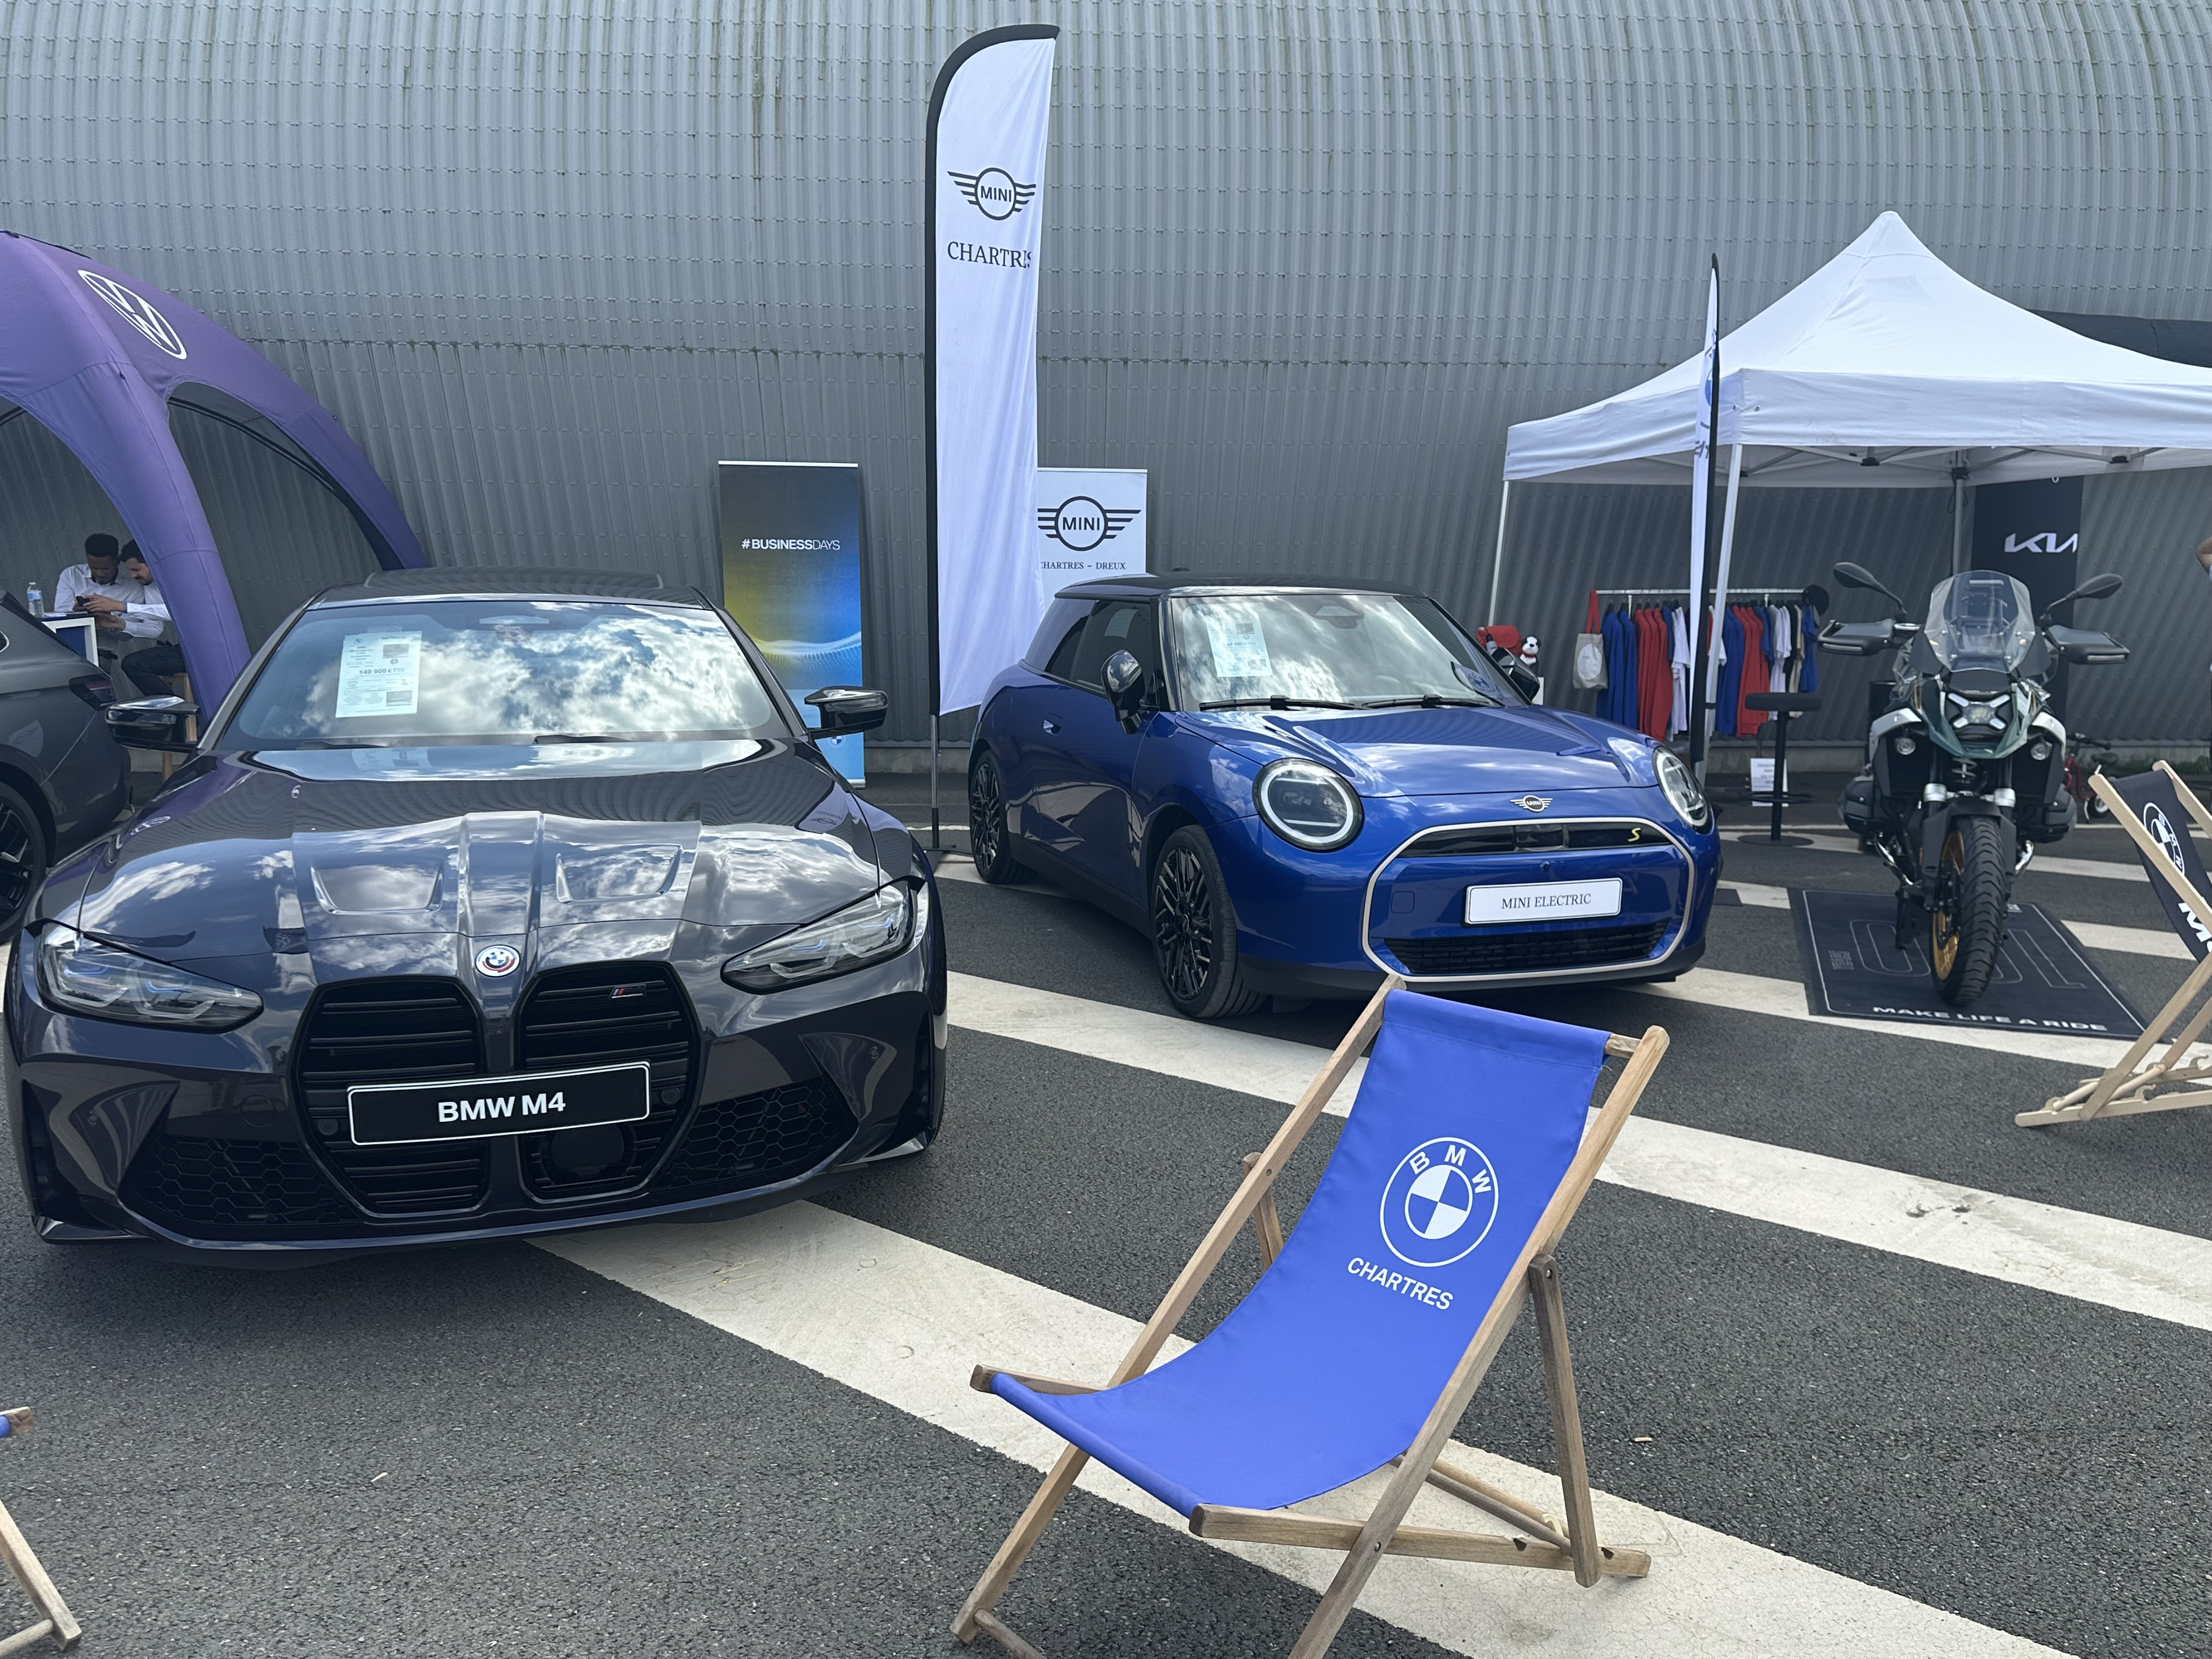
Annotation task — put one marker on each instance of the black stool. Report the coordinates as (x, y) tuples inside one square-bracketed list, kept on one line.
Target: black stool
[(1782, 704)]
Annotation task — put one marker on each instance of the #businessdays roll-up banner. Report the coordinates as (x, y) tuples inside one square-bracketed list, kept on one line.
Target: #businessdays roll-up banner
[(1089, 524), (791, 575), (988, 119)]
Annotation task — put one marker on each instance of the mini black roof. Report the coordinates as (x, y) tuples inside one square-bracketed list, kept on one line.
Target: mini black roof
[(450, 580), (1179, 581)]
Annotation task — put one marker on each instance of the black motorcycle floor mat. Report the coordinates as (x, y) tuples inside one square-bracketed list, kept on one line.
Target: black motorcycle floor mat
[(1854, 970)]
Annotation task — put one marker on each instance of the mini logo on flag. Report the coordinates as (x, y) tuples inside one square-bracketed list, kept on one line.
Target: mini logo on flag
[(1080, 523), (1439, 1203), (993, 192)]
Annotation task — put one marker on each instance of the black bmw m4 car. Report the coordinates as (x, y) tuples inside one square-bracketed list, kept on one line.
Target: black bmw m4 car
[(487, 903)]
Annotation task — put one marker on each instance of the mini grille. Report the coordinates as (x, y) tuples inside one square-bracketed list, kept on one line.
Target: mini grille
[(211, 1188), (1477, 840), (757, 1140), (391, 1030), (603, 1015), (1528, 953)]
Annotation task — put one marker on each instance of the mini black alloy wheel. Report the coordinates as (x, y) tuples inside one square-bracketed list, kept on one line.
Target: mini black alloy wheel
[(1195, 931), (987, 824)]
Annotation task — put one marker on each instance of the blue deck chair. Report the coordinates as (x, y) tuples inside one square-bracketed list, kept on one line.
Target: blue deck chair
[(54, 1622), (1465, 1155)]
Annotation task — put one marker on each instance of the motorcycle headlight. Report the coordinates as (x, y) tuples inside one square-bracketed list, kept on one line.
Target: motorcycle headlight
[(1307, 806), (87, 977), (877, 928), (1682, 791)]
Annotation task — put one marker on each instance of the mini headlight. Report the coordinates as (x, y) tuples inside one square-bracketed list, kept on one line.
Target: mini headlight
[(1682, 791), (1307, 805), (87, 977), (880, 926)]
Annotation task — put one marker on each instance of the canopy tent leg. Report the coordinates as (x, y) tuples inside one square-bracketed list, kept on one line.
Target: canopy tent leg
[(1957, 516), (1498, 558), (1720, 606), (936, 842)]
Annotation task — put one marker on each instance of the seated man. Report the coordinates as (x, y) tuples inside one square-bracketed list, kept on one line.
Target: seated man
[(98, 578), (144, 617)]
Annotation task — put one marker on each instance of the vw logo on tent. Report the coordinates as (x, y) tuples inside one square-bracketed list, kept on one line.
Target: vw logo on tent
[(137, 311), (1439, 1203)]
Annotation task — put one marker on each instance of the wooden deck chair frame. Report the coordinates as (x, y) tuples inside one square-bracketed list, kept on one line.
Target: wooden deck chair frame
[(2125, 1090), (54, 1621), (1570, 1544)]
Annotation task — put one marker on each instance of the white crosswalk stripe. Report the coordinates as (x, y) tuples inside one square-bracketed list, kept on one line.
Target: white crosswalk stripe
[(2143, 1270), (901, 1321)]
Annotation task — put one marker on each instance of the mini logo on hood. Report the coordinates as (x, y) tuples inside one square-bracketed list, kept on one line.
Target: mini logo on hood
[(498, 961), (1532, 803)]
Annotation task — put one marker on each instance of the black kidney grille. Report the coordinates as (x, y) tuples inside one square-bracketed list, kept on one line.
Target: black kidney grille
[(1481, 841), (212, 1188), (1528, 953), (391, 1030), (603, 1015), (757, 1140)]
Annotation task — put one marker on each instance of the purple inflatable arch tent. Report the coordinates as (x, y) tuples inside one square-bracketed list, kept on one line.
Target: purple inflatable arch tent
[(94, 356)]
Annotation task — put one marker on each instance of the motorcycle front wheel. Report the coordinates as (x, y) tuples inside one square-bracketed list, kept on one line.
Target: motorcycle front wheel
[(1967, 920)]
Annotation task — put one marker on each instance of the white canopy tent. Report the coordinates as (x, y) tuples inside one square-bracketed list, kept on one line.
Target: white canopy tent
[(1883, 369)]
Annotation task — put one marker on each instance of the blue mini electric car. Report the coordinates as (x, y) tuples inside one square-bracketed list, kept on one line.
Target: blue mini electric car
[(1292, 788)]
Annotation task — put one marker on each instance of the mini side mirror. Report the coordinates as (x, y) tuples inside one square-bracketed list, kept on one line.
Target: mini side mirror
[(1125, 689), (845, 709), (163, 723)]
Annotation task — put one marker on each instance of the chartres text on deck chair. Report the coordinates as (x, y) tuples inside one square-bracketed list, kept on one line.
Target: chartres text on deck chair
[(1466, 1151)]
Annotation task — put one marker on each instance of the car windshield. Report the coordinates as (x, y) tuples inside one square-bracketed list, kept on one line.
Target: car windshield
[(1980, 619), (1358, 650), (497, 671)]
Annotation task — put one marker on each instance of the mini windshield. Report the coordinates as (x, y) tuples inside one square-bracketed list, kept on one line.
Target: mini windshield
[(502, 671), (1359, 650), (1980, 619)]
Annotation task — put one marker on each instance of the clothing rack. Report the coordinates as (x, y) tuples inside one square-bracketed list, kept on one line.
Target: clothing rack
[(1745, 595)]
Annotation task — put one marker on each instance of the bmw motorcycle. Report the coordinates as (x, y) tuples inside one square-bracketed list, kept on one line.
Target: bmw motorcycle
[(1966, 770)]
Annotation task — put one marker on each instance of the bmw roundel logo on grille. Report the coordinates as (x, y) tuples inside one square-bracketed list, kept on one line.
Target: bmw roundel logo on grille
[(498, 961), (1439, 1203)]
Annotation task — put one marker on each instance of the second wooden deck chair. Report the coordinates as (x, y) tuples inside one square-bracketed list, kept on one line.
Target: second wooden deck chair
[(1464, 1156)]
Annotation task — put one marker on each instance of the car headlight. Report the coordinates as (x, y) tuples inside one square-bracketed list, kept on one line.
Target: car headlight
[(1682, 791), (1307, 806), (87, 977), (879, 926)]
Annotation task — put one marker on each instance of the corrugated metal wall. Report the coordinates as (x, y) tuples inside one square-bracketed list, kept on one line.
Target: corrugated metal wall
[(551, 259)]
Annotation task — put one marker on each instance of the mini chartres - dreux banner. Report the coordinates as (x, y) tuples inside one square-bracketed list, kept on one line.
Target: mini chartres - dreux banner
[(988, 119)]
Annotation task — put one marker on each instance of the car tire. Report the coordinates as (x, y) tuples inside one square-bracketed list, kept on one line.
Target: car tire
[(989, 840), (1195, 931), (22, 860)]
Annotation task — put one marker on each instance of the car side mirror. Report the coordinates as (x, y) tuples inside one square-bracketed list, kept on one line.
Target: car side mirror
[(845, 709), (163, 723), (1125, 689), (1522, 678)]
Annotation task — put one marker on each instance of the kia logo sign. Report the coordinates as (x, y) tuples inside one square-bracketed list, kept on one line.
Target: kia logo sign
[(137, 311), (1079, 523), (993, 192), (2048, 542)]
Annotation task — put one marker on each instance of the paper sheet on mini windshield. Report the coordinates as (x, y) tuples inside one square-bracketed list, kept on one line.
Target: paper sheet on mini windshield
[(379, 674), (1240, 650)]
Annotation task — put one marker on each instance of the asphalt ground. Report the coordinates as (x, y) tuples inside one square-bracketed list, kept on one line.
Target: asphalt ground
[(491, 1449)]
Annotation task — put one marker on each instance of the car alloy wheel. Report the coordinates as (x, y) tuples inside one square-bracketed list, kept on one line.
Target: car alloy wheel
[(1195, 931), (22, 859), (1183, 923), (988, 840)]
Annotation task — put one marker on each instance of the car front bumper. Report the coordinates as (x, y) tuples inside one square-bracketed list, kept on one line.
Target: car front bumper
[(207, 1143)]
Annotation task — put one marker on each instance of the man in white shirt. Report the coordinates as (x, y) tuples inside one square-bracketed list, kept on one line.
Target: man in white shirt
[(99, 576), (142, 615)]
